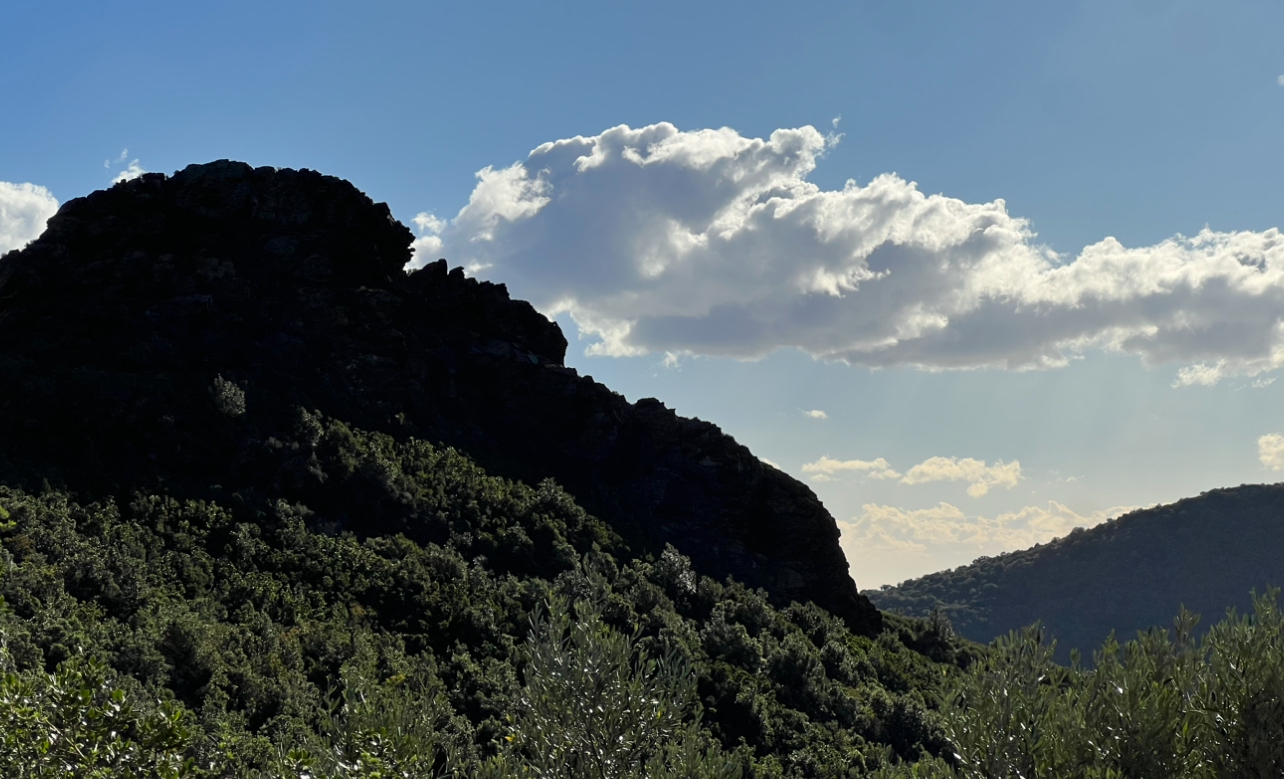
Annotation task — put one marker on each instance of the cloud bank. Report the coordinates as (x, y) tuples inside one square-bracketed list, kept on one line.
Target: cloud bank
[(24, 209), (707, 242), (979, 475), (893, 528)]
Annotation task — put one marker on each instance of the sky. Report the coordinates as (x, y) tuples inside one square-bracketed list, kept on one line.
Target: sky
[(976, 273)]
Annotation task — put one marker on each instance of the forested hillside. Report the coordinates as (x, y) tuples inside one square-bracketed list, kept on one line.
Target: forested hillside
[(272, 505), (1204, 553), (245, 624), (160, 335)]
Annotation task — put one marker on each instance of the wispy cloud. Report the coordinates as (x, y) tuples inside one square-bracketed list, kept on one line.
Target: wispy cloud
[(816, 413), (708, 242), (980, 475), (24, 210), (130, 172), (1270, 451), (825, 468), (120, 160)]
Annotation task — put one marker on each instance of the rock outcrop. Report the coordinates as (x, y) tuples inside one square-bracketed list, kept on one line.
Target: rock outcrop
[(163, 331)]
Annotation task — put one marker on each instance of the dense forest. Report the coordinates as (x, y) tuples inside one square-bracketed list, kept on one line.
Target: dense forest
[(233, 637), (1205, 554)]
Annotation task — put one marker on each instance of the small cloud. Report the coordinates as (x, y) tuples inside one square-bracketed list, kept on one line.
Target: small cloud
[(672, 361), (826, 466), (981, 475), (839, 118), (821, 478), (428, 223), (1270, 451), (771, 463), (1280, 80), (1199, 375), (1260, 383), (423, 247), (130, 173), (816, 413), (124, 155)]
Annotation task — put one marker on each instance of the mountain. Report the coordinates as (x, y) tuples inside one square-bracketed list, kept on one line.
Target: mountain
[(126, 323), (271, 505), (1204, 553)]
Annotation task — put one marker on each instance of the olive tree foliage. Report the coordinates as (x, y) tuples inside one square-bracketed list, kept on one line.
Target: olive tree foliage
[(78, 723), (399, 727), (1159, 707), (594, 705)]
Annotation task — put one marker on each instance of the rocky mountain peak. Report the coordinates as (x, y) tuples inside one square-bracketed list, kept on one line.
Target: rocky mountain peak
[(140, 304)]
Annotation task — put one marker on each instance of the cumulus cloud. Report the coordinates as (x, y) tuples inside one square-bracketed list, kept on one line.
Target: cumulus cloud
[(707, 242), (1270, 451), (816, 413), (24, 210), (979, 475), (891, 527), (825, 468)]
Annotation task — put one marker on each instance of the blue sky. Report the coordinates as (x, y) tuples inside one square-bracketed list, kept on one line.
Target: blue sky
[(945, 339)]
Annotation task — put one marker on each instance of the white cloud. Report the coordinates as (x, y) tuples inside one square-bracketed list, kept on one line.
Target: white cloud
[(981, 477), (1270, 450), (708, 242), (24, 210), (1199, 375), (428, 223), (1280, 81), (816, 413), (826, 467), (133, 171), (944, 525)]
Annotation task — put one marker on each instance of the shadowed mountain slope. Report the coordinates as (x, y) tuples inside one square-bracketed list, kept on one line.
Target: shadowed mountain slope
[(1205, 553), (167, 334)]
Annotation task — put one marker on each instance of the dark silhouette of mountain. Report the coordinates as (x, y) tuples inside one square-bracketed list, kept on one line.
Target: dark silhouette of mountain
[(1205, 553), (167, 335)]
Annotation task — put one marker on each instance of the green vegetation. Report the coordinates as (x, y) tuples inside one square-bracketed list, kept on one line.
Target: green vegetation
[(1204, 554), (255, 636), (1163, 705)]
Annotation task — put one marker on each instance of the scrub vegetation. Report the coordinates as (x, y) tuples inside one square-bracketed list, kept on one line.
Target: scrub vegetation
[(190, 638)]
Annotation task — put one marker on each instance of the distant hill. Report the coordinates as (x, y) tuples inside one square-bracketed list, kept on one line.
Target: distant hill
[(1131, 573)]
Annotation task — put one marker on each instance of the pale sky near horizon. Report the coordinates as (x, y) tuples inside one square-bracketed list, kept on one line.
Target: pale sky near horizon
[(1053, 287)]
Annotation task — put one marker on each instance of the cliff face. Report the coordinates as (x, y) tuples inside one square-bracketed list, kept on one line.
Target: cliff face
[(130, 329)]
